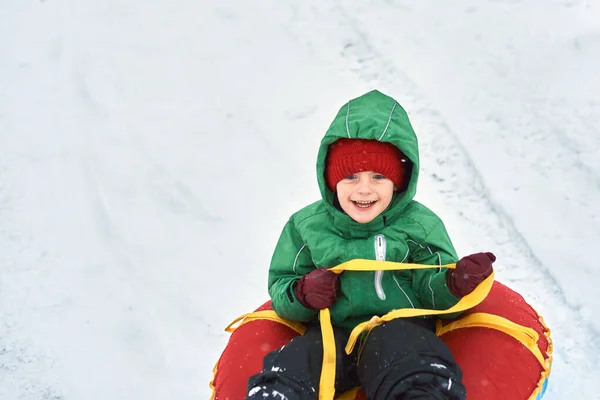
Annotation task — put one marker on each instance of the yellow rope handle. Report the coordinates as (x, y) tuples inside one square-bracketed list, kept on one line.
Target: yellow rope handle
[(211, 384), (527, 336), (327, 381), (361, 264), (549, 350), (269, 315)]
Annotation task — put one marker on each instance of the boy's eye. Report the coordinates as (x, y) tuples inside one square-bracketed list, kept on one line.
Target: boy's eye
[(378, 176), (351, 176)]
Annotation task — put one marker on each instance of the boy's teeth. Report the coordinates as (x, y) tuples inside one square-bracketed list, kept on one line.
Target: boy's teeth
[(364, 203)]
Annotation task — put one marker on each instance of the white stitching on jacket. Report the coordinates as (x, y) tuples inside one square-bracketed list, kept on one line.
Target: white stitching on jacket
[(296, 259), (389, 120), (347, 116), (400, 287), (439, 269)]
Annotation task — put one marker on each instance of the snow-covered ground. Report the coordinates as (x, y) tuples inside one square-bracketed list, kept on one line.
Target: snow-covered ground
[(150, 153)]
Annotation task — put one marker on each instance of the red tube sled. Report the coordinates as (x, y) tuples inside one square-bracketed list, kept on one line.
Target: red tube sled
[(502, 346)]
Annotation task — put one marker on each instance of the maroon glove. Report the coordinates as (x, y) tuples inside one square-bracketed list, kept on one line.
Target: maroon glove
[(470, 271), (318, 289)]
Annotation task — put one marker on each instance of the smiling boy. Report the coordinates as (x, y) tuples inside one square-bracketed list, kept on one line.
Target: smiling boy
[(367, 170)]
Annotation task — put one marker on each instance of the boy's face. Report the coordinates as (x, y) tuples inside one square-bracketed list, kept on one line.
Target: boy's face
[(365, 195)]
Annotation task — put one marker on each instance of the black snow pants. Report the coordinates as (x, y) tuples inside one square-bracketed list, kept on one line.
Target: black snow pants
[(400, 360)]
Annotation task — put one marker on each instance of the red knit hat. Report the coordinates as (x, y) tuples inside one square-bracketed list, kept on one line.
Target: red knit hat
[(349, 156)]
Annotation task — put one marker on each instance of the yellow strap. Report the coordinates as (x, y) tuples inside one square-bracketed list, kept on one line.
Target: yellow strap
[(269, 315), (360, 264), (545, 374), (465, 303), (211, 384), (527, 336), (327, 382)]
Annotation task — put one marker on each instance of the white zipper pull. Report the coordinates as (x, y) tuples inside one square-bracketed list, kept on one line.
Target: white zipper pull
[(379, 256)]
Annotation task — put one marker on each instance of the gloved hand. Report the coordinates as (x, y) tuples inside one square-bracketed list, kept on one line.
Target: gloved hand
[(318, 289), (470, 271)]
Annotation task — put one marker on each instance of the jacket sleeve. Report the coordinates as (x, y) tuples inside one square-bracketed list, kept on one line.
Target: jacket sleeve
[(430, 284), (291, 259)]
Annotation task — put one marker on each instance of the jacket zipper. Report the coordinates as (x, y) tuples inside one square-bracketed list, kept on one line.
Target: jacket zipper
[(379, 256)]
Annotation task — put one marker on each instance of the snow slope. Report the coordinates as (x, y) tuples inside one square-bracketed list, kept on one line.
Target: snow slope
[(150, 154)]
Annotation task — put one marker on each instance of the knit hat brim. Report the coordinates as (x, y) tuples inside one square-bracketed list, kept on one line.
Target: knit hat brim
[(346, 157)]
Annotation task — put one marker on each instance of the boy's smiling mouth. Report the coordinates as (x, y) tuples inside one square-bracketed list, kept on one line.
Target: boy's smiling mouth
[(363, 203)]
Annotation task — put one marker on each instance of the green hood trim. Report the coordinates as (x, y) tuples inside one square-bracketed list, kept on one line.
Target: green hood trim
[(373, 115)]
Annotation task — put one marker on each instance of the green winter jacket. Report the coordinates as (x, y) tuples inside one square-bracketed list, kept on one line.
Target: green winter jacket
[(322, 236)]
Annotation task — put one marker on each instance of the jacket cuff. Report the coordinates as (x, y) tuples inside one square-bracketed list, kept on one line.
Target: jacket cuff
[(287, 306), (443, 294)]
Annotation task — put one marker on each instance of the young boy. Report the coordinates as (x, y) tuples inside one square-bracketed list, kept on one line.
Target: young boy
[(367, 170)]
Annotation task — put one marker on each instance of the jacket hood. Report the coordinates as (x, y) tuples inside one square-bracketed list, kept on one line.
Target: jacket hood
[(377, 116)]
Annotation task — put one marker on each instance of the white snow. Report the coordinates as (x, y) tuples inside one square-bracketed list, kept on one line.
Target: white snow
[(151, 152), (438, 366)]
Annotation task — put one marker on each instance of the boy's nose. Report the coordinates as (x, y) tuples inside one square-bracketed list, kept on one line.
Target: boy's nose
[(363, 186)]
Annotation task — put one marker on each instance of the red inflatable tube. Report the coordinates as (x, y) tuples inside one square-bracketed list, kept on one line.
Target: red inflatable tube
[(495, 365)]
